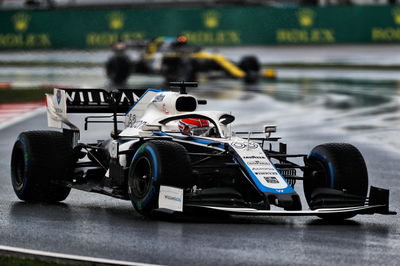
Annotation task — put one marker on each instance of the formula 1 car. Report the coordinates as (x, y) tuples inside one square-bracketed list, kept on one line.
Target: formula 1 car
[(171, 157), (174, 59)]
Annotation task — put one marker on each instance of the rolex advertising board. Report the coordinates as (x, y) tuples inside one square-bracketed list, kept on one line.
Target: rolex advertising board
[(86, 29)]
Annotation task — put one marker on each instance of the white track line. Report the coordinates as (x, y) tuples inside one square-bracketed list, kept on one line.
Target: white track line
[(71, 257), (22, 117)]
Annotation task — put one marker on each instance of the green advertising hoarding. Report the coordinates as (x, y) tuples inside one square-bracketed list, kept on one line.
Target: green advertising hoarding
[(86, 29)]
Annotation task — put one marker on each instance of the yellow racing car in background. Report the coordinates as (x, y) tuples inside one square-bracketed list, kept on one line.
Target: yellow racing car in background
[(174, 59)]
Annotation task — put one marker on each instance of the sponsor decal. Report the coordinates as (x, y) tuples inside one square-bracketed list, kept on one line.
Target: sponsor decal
[(56, 108), (116, 33), (271, 179), (388, 34), (164, 109), (305, 36), (106, 39), (116, 20), (97, 97), (253, 157), (58, 97), (259, 168), (211, 19), (60, 108), (396, 15), (30, 40), (257, 163), (305, 32), (244, 145), (264, 172), (305, 17), (159, 98), (139, 124), (114, 149), (211, 34), (21, 21), (21, 38), (208, 37), (170, 198)]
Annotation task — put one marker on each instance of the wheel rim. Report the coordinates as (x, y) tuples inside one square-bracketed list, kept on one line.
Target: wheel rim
[(322, 175), (318, 176), (142, 177), (19, 169)]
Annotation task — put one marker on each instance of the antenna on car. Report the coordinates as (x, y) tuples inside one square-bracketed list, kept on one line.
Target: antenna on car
[(182, 85), (115, 96)]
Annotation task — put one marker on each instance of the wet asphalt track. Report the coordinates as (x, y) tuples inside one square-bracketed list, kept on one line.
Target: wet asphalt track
[(363, 113)]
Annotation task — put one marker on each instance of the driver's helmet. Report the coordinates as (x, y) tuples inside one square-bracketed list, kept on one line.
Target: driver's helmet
[(194, 126), (119, 47), (182, 39)]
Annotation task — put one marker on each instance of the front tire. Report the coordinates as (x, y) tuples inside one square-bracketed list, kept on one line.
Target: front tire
[(338, 166), (251, 66), (179, 69), (38, 159), (157, 162), (118, 69)]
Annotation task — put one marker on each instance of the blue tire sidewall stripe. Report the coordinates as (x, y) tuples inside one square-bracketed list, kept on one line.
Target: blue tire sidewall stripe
[(153, 155), (324, 158), (153, 189), (155, 164)]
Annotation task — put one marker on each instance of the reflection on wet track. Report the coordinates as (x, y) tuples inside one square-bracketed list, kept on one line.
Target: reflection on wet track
[(360, 110), (307, 113)]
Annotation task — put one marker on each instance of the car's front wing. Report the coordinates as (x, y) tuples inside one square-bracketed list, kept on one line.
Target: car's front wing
[(325, 211)]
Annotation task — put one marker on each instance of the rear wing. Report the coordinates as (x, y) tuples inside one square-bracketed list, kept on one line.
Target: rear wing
[(74, 100), (80, 100)]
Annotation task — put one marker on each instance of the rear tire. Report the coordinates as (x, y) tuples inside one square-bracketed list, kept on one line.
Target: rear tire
[(38, 159), (157, 162), (338, 166)]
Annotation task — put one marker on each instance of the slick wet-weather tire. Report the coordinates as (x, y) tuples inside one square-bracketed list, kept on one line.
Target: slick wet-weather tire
[(339, 166), (155, 163), (38, 160)]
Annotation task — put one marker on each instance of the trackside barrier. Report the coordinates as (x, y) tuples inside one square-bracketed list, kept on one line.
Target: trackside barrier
[(99, 28)]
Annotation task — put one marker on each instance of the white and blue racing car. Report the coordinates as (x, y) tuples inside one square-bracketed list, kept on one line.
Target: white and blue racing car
[(171, 157)]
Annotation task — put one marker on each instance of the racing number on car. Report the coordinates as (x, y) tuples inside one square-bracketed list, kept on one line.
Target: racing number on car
[(130, 120), (243, 145), (271, 179)]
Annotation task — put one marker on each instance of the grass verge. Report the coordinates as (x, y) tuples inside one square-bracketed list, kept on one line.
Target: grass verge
[(23, 95), (14, 261)]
